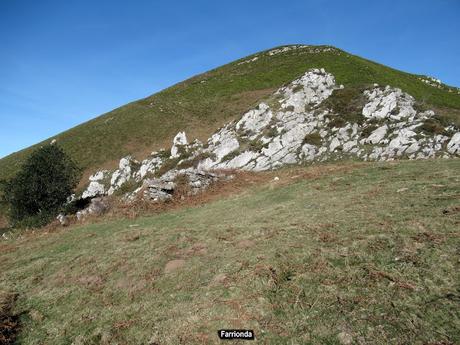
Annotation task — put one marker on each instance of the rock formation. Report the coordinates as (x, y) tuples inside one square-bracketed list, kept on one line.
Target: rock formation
[(298, 123)]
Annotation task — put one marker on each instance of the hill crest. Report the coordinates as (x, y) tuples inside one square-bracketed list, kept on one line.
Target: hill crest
[(204, 103)]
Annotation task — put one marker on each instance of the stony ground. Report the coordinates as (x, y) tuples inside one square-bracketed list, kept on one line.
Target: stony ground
[(364, 253)]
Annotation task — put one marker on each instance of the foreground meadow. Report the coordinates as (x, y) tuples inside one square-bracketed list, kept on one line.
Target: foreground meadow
[(367, 253)]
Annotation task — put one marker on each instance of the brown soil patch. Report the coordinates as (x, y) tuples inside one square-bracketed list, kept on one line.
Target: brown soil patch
[(197, 249), (91, 281), (173, 265), (452, 210)]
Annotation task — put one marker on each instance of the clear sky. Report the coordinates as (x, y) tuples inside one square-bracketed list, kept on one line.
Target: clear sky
[(65, 62)]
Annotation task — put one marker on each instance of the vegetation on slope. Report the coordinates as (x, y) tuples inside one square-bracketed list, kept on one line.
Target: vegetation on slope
[(366, 253), (39, 190), (203, 103)]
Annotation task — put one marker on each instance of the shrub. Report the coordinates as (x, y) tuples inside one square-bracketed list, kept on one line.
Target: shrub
[(297, 88), (256, 145), (336, 121), (182, 185), (169, 164), (128, 187), (193, 162), (313, 139), (432, 126), (348, 103), (271, 132), (35, 195), (229, 156)]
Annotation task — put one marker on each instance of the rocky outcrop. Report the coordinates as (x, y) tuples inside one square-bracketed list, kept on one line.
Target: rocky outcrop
[(163, 188), (97, 207), (122, 175), (149, 165), (453, 147), (179, 141), (96, 186), (295, 125)]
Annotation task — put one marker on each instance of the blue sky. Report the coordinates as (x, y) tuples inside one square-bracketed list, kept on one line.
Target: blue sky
[(65, 62)]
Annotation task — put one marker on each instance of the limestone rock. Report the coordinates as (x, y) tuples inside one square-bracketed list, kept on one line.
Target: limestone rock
[(97, 207), (149, 165), (256, 119), (390, 103), (96, 186), (294, 126), (453, 146), (121, 175), (161, 189), (179, 140), (377, 135), (63, 220)]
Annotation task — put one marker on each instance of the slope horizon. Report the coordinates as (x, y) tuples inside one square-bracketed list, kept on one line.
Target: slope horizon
[(190, 76), (201, 109)]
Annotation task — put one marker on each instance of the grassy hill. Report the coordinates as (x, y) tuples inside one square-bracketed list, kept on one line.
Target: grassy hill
[(203, 103), (334, 254)]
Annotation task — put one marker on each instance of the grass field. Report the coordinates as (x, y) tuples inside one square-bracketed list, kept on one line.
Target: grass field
[(362, 253), (203, 103)]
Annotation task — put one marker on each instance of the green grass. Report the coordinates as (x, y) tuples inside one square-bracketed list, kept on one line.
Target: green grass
[(368, 252), (201, 104)]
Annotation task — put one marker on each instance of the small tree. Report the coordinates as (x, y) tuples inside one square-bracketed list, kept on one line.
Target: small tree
[(35, 195)]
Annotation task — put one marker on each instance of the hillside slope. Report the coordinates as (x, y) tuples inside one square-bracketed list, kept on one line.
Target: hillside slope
[(334, 254), (202, 104)]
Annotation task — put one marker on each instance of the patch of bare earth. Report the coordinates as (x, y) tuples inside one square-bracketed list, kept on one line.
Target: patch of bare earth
[(9, 322)]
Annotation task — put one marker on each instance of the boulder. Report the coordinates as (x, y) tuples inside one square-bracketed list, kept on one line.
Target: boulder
[(179, 141), (96, 186), (97, 207), (377, 135), (453, 146), (63, 219), (161, 189), (121, 175)]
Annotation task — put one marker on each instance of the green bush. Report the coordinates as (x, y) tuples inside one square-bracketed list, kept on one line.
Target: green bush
[(313, 139), (432, 126), (36, 194), (348, 104)]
